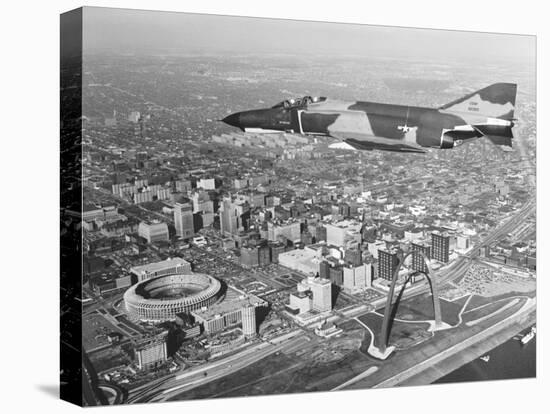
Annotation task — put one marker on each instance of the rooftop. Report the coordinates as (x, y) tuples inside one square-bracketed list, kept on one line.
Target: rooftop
[(229, 305), (154, 267)]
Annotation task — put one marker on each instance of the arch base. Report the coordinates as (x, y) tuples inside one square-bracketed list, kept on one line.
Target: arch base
[(441, 326), (377, 353)]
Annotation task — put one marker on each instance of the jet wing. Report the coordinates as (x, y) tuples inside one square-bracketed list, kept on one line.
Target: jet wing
[(369, 142)]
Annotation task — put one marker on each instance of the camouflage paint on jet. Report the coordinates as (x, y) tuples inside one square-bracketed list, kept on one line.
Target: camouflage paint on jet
[(487, 113)]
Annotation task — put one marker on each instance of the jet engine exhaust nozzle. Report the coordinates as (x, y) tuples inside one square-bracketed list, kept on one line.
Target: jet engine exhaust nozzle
[(447, 141)]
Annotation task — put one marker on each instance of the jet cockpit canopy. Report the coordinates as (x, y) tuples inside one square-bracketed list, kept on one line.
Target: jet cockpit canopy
[(299, 102)]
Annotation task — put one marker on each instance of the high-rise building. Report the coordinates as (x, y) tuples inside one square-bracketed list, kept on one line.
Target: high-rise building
[(257, 199), (202, 202), (320, 233), (306, 238), (344, 210), (440, 247), (387, 263), (143, 196), (249, 320), (375, 247), (234, 216), (357, 277), (182, 186), (353, 257), (207, 183), (418, 264), (250, 256), (324, 270), (344, 232), (183, 219), (321, 290), (154, 231), (163, 194), (301, 302), (264, 255), (290, 230), (276, 249), (336, 274), (151, 352), (322, 294)]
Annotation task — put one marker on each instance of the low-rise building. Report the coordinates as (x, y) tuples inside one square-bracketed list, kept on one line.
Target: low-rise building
[(154, 231), (166, 267), (226, 314)]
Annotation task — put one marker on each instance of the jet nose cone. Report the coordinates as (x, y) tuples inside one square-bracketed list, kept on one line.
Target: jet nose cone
[(233, 119)]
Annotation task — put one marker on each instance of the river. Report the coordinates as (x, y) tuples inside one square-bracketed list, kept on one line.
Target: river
[(507, 361)]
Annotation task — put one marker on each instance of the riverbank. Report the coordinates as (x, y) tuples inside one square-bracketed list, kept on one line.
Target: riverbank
[(460, 359)]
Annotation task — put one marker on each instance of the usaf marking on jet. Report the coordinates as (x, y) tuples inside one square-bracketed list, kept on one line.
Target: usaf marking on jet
[(488, 112)]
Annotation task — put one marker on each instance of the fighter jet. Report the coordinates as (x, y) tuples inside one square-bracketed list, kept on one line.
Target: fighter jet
[(488, 112)]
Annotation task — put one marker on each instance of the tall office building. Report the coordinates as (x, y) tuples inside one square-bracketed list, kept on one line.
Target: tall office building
[(320, 233), (276, 249), (440, 247), (248, 313), (387, 263), (202, 202), (322, 293), (324, 269), (336, 274), (353, 256), (183, 219), (234, 216), (264, 255), (418, 264), (357, 277)]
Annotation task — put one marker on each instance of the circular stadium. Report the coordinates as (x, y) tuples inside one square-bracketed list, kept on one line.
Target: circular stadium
[(161, 298)]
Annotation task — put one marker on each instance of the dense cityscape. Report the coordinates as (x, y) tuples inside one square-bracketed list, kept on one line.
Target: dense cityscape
[(221, 263)]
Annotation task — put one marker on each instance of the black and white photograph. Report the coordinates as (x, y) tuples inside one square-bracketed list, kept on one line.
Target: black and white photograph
[(275, 206)]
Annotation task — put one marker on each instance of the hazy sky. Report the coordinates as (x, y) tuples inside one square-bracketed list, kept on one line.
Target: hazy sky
[(138, 31)]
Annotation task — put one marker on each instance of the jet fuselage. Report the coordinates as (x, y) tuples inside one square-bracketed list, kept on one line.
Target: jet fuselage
[(371, 125)]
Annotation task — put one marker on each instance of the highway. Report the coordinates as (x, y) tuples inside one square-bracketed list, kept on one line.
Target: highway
[(455, 270), (166, 388), (203, 374), (462, 263), (223, 367)]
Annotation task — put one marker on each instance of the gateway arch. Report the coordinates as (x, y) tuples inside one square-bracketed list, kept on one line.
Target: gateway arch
[(388, 308)]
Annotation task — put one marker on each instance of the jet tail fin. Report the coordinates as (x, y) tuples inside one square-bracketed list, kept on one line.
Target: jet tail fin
[(495, 101)]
